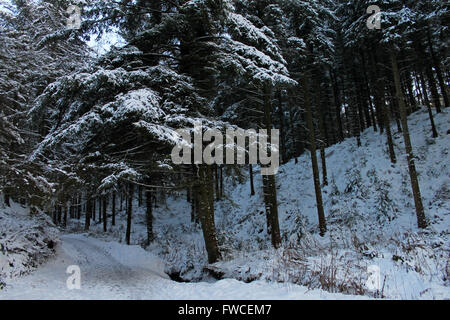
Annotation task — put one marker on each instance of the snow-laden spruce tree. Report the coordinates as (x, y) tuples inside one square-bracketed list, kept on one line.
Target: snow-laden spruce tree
[(30, 61), (115, 121)]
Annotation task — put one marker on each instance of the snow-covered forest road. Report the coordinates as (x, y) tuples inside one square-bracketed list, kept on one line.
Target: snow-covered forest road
[(115, 271)]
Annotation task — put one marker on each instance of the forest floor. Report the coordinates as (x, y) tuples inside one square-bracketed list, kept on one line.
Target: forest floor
[(371, 224), (114, 271)]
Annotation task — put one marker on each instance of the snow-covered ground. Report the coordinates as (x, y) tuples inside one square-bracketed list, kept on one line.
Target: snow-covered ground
[(25, 241), (371, 222), (115, 271)]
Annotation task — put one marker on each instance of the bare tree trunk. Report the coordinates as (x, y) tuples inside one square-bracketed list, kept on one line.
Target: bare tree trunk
[(65, 217), (216, 182), (422, 223), (381, 106), (129, 212), (59, 214), (206, 212), (113, 219), (271, 196), (322, 137), (140, 196), (105, 216), (437, 67), (282, 129), (94, 210), (338, 106), (315, 167), (252, 183), (89, 208), (428, 104), (7, 199), (100, 211), (149, 216), (221, 182)]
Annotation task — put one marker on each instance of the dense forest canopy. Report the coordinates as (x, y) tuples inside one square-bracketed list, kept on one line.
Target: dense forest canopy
[(76, 129)]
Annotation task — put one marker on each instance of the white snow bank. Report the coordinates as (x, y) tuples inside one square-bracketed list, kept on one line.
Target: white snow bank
[(25, 241)]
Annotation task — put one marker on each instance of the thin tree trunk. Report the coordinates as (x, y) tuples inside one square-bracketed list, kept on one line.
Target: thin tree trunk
[(282, 129), (129, 212), (221, 182), (94, 209), (100, 211), (149, 216), (322, 137), (381, 106), (337, 104), (140, 196), (252, 183), (105, 216), (216, 182), (433, 88), (79, 207), (59, 214), (113, 219), (428, 104), (7, 200), (315, 167), (89, 208), (65, 217), (437, 67), (421, 221)]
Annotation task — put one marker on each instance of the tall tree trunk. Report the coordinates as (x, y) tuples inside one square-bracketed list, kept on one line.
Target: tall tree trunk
[(381, 106), (149, 216), (421, 221), (89, 208), (271, 198), (394, 107), (437, 67), (105, 216), (139, 196), (7, 199), (216, 182), (337, 104), (315, 167), (100, 211), (206, 212), (252, 183), (113, 218), (129, 213), (367, 91), (433, 88), (428, 104), (282, 129), (121, 200), (322, 136), (65, 217), (94, 209), (194, 203), (59, 214), (79, 207)]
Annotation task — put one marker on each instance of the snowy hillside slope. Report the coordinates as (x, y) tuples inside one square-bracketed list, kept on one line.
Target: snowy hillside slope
[(25, 242), (370, 215)]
